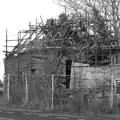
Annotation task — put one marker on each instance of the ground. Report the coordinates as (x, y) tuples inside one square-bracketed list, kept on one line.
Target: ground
[(20, 114)]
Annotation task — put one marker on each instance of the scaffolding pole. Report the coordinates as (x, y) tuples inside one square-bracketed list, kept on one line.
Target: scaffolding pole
[(18, 54), (6, 52)]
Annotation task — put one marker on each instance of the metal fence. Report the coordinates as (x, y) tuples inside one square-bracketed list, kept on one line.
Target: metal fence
[(88, 86), (33, 90), (16, 88)]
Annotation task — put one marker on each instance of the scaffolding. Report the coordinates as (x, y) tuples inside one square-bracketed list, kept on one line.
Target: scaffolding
[(61, 34)]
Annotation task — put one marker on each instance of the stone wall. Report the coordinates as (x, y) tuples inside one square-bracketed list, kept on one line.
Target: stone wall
[(88, 76), (97, 79)]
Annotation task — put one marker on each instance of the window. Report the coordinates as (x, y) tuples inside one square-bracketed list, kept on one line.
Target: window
[(117, 86), (68, 72), (33, 71), (114, 59)]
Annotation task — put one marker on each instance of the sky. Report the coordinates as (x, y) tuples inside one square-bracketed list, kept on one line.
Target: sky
[(15, 15)]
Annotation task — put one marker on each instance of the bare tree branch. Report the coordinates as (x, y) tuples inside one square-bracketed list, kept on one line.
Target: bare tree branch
[(109, 9)]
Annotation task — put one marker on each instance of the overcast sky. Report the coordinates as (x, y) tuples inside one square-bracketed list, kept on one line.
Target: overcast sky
[(15, 15)]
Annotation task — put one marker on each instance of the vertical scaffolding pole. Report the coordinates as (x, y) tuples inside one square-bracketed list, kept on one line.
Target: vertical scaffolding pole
[(6, 52), (65, 10), (36, 27), (6, 72), (30, 30), (18, 53)]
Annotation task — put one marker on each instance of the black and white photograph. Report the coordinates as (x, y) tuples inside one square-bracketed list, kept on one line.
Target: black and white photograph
[(59, 59)]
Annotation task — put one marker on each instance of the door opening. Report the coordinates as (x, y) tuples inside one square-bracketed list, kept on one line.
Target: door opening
[(68, 73)]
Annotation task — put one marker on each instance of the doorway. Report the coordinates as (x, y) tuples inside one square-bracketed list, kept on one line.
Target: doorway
[(68, 73)]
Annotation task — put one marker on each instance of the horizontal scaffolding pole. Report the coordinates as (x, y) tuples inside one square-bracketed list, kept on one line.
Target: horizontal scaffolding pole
[(9, 46), (7, 51), (11, 40)]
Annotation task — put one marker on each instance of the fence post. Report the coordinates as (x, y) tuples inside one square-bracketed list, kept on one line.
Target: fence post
[(52, 91), (3, 85), (4, 77), (8, 90), (26, 85), (112, 82)]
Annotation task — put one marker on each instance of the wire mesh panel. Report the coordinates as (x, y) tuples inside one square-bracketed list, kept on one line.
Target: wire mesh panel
[(98, 84), (17, 89), (89, 87), (35, 91), (5, 86), (86, 87), (40, 91)]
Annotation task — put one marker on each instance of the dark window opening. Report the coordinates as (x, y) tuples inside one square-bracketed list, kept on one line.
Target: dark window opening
[(33, 71), (68, 73), (118, 86)]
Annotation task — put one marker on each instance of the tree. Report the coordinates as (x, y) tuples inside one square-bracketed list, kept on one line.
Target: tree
[(109, 10), (103, 16), (71, 5), (69, 32)]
